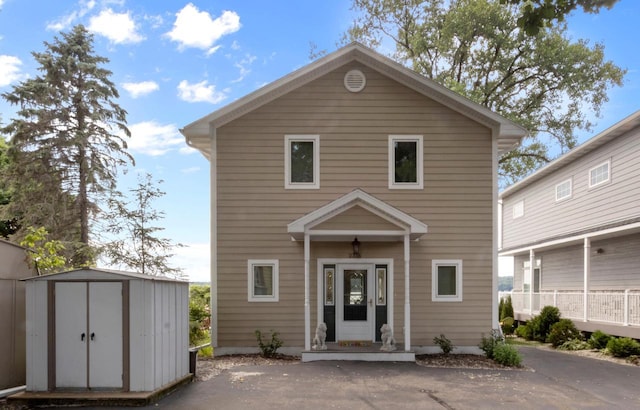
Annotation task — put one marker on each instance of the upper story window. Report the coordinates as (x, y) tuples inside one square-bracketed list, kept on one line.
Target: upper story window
[(518, 209), (563, 190), (600, 174), (405, 162), (302, 162), (263, 280)]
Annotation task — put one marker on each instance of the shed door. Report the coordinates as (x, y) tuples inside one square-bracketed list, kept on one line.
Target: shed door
[(88, 335), (71, 334)]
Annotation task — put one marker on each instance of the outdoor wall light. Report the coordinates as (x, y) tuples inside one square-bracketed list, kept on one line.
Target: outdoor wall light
[(356, 248), (599, 251)]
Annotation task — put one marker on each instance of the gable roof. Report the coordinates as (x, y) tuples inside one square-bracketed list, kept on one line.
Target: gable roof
[(406, 223), (509, 134), (576, 153)]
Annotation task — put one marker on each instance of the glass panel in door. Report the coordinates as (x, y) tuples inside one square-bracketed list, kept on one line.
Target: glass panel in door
[(355, 295)]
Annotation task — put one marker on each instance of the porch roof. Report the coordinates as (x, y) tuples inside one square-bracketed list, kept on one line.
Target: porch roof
[(406, 224)]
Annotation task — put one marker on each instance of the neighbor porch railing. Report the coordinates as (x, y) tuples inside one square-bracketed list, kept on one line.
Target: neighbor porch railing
[(621, 307)]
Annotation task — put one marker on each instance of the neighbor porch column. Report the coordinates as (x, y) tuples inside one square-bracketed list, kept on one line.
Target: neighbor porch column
[(307, 310), (587, 275), (407, 287), (532, 258)]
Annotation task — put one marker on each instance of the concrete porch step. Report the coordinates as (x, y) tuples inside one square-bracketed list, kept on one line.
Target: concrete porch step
[(363, 356)]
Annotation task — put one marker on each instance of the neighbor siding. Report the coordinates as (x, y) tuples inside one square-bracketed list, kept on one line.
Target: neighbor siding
[(588, 207), (254, 208)]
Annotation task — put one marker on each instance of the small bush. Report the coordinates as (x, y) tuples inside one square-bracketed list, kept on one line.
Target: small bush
[(574, 344), (562, 332), (623, 347), (501, 308), (507, 308), (444, 343), (524, 331), (269, 349), (599, 340), (549, 315), (488, 344), (507, 325), (507, 355)]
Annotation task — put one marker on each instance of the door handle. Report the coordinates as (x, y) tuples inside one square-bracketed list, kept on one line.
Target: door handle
[(370, 302), (82, 337), (93, 335)]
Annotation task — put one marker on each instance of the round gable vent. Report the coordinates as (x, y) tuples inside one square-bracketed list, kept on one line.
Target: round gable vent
[(355, 81)]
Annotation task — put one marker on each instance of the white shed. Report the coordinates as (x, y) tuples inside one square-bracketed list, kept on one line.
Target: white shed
[(97, 329)]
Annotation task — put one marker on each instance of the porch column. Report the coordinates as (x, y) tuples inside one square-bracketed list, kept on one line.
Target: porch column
[(407, 287), (587, 275), (307, 310), (532, 259)]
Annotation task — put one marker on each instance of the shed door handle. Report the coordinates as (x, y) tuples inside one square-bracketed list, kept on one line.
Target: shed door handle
[(93, 335), (82, 337)]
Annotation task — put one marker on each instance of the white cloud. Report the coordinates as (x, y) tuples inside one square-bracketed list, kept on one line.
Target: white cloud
[(151, 138), (243, 65), (194, 260), (194, 28), (190, 170), (65, 22), (141, 88), (187, 150), (200, 92), (120, 28), (10, 70)]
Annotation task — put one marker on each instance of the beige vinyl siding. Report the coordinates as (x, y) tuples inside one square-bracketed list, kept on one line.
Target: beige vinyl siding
[(254, 208), (588, 207), (357, 218)]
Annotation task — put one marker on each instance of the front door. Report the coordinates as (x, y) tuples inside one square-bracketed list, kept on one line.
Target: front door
[(355, 310)]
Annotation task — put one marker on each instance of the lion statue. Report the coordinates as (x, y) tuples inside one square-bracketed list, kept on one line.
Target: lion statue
[(320, 337), (388, 342)]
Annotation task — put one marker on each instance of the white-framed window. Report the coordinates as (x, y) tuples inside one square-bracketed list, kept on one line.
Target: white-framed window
[(302, 162), (446, 280), (381, 286), (600, 174), (563, 190), (329, 285), (518, 209), (263, 275), (406, 162)]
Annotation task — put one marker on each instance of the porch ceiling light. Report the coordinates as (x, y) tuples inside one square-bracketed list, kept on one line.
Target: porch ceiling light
[(356, 248)]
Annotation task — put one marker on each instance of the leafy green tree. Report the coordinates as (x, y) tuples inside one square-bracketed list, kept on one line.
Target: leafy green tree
[(537, 14), (547, 83), (45, 255), (68, 140), (8, 224), (199, 314), (139, 248)]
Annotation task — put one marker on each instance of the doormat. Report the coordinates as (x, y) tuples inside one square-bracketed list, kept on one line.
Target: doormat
[(354, 343)]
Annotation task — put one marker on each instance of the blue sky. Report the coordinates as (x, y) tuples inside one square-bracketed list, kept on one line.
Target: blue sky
[(176, 61)]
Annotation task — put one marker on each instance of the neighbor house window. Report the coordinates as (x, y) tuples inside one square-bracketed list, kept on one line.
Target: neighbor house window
[(263, 280), (302, 162), (405, 162), (599, 175), (563, 190), (518, 209), (446, 280)]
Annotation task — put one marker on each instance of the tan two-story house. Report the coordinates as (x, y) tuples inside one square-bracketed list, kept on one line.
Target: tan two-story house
[(353, 192)]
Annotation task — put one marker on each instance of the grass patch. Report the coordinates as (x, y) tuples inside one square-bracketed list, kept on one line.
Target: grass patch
[(518, 341)]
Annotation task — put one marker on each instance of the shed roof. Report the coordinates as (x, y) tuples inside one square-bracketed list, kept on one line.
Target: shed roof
[(576, 153), (197, 134), (116, 273)]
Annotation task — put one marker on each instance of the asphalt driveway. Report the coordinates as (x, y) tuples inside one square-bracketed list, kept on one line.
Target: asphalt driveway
[(553, 381)]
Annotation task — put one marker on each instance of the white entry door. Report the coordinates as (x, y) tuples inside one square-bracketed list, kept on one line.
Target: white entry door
[(88, 334), (355, 307)]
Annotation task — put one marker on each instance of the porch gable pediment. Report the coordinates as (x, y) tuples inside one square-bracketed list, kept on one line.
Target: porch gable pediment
[(370, 218)]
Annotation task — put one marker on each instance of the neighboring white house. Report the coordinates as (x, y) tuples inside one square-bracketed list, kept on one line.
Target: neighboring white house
[(573, 230)]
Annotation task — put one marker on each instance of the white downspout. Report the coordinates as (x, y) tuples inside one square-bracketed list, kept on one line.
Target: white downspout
[(213, 246), (307, 309), (407, 287)]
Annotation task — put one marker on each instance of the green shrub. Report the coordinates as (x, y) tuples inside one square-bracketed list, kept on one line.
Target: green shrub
[(623, 347), (562, 332), (574, 344), (549, 315), (199, 314), (507, 308), (599, 340), (507, 355), (269, 349), (501, 309), (524, 331), (444, 343), (488, 344), (507, 325)]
